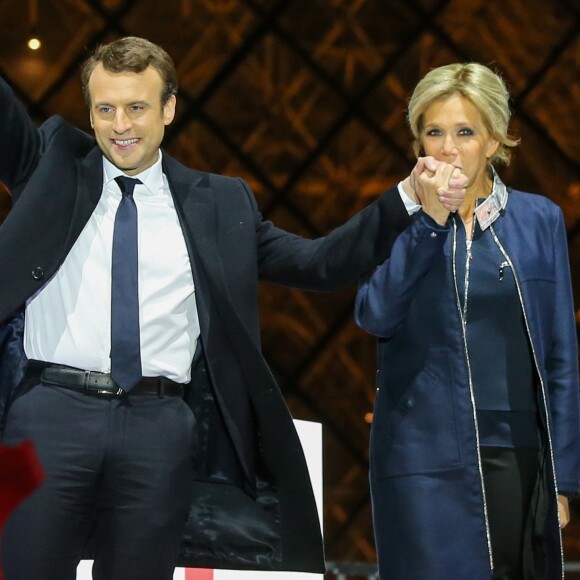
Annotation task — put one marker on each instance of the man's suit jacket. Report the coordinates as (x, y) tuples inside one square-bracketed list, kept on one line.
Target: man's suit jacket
[(252, 503)]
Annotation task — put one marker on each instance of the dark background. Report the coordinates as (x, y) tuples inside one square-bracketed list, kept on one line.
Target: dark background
[(306, 99)]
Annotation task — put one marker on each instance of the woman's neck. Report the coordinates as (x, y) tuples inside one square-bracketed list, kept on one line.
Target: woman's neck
[(481, 189)]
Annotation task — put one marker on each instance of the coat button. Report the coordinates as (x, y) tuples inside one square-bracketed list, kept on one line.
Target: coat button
[(409, 404), (38, 273)]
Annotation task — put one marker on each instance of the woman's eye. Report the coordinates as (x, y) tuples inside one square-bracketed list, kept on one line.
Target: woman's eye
[(433, 133), (465, 131)]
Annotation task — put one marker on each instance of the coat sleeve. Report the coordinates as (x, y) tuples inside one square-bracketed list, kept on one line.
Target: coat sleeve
[(562, 370), (329, 262), (383, 299), (20, 140)]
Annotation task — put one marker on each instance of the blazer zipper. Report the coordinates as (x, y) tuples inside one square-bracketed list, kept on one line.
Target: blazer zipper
[(542, 386), (463, 318)]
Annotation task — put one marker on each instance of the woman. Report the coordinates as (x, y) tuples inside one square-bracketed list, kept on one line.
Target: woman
[(475, 439)]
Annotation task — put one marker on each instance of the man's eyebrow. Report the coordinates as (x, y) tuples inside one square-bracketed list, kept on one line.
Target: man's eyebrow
[(130, 104)]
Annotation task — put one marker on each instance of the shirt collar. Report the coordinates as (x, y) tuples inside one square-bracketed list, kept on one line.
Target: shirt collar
[(151, 178), (494, 205)]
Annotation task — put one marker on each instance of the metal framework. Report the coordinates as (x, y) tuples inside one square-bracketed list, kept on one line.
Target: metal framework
[(305, 99)]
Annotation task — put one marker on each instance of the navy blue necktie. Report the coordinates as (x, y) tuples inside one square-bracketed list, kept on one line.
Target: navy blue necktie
[(125, 344)]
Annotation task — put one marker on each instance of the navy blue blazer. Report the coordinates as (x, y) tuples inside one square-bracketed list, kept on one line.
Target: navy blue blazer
[(428, 499)]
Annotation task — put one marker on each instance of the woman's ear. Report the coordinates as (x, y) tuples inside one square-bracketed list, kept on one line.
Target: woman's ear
[(492, 147)]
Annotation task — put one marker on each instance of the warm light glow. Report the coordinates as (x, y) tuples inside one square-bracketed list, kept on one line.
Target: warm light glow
[(34, 43), (369, 418)]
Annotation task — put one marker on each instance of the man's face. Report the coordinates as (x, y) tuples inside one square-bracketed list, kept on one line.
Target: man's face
[(127, 116)]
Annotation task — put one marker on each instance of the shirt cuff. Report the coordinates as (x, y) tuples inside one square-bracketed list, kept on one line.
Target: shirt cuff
[(410, 205)]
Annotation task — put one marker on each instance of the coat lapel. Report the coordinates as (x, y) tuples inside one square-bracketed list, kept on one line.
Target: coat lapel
[(197, 214), (196, 207), (89, 189)]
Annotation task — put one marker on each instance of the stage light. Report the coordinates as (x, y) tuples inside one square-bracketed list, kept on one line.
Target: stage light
[(34, 43)]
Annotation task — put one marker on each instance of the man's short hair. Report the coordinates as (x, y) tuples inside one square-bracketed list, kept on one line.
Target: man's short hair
[(131, 54)]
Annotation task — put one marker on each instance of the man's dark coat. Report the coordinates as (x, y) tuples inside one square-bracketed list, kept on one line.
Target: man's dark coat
[(252, 504)]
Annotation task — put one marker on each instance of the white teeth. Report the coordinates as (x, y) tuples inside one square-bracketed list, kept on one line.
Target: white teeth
[(125, 142)]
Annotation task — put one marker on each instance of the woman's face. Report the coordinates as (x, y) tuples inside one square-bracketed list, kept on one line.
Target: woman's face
[(454, 132)]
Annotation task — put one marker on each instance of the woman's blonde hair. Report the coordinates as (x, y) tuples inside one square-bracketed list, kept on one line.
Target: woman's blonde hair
[(481, 86)]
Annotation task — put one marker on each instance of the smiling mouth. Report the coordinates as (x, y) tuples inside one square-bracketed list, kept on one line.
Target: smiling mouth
[(124, 142)]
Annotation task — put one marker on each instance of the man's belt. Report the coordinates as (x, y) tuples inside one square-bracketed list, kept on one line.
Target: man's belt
[(95, 383)]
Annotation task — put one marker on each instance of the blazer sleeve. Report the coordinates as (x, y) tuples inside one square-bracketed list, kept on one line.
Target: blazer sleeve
[(562, 369), (20, 140), (329, 262), (383, 299)]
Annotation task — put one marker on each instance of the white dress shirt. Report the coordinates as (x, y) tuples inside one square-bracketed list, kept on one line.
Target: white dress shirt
[(69, 320)]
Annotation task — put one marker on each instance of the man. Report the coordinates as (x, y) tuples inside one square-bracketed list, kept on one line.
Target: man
[(201, 433)]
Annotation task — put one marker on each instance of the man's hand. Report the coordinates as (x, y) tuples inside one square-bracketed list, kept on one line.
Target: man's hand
[(563, 510), (450, 194)]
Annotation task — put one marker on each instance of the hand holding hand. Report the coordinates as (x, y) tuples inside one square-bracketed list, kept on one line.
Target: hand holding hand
[(450, 194)]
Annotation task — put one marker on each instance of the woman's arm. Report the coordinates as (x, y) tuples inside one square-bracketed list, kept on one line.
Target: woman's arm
[(383, 299), (562, 369)]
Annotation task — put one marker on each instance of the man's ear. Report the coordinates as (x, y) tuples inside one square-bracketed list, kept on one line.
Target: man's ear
[(169, 110)]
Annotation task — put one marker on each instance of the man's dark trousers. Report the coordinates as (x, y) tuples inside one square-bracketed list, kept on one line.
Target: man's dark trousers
[(122, 463)]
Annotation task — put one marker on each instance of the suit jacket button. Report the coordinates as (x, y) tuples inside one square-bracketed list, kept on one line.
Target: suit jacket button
[(38, 273)]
